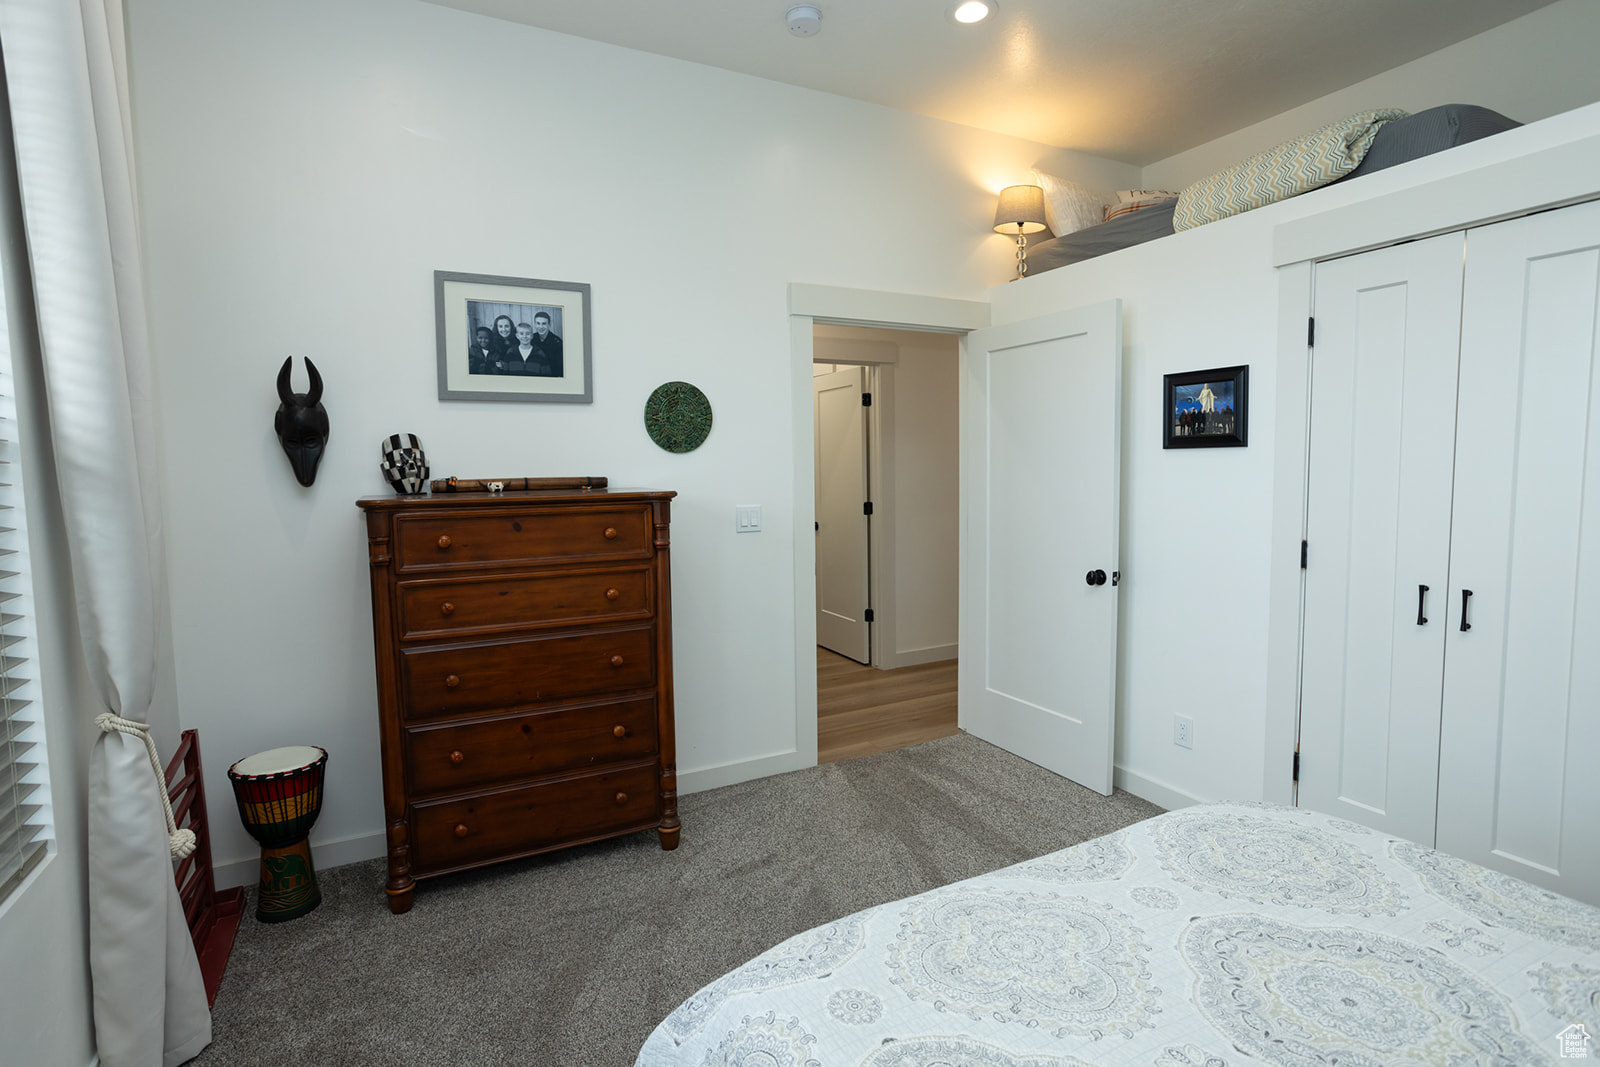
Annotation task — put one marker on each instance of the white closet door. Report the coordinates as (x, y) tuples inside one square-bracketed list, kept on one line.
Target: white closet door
[(1041, 486), (1378, 529), (840, 427), (1519, 786)]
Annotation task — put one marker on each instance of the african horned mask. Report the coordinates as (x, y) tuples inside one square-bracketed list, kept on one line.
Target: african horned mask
[(302, 423)]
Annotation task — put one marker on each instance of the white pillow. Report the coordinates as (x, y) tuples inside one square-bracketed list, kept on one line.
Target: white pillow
[(1069, 206), (1127, 196)]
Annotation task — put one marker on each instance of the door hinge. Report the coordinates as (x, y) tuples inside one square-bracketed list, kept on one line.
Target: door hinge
[(869, 615), (866, 507), (1311, 333), (1297, 764), (1302, 555), (866, 400)]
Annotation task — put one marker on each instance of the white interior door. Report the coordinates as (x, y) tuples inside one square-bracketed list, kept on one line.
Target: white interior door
[(1518, 788), (842, 523), (1040, 456), (1383, 387)]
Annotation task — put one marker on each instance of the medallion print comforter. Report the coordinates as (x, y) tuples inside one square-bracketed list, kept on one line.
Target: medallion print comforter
[(1213, 936)]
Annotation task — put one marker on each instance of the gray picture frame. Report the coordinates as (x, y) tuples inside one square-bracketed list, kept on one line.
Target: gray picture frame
[(461, 300)]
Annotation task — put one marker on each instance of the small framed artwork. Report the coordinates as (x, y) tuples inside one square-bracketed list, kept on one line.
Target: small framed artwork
[(1206, 408), (513, 339)]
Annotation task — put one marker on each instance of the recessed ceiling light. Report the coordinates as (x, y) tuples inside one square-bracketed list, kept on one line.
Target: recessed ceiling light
[(974, 10)]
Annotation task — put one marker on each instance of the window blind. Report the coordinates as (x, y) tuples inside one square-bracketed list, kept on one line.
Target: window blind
[(23, 797)]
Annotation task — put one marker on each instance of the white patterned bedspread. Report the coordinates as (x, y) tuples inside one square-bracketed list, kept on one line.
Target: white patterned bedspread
[(1217, 935)]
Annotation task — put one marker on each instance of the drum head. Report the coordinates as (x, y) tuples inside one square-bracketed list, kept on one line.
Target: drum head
[(277, 760)]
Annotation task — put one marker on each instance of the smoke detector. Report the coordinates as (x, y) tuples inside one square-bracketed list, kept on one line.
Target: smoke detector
[(805, 20)]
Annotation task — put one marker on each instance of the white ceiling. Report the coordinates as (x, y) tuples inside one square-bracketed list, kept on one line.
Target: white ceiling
[(1131, 80)]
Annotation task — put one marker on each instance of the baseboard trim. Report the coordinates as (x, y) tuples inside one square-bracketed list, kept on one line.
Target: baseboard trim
[(1155, 791), (917, 656), (698, 781), (324, 855)]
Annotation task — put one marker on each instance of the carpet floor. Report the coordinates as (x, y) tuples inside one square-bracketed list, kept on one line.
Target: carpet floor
[(572, 958)]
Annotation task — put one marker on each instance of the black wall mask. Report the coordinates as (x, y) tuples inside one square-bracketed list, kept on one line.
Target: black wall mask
[(302, 423)]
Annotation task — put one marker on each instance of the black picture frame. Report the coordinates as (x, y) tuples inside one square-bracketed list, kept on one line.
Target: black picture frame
[(1193, 419), (562, 373)]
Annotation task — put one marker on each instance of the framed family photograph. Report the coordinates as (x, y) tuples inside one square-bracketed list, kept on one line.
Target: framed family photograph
[(513, 339), (1207, 408)]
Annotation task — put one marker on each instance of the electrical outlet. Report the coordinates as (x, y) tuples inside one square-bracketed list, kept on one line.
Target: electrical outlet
[(1183, 731)]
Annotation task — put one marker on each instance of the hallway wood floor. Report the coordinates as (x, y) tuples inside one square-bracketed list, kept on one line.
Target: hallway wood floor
[(862, 711)]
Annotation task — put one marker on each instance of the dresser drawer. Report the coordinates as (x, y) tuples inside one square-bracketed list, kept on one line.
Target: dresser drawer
[(509, 822), (431, 608), (462, 679), (464, 540), (452, 759)]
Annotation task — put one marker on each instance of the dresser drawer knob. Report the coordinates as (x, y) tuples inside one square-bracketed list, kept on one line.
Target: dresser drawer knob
[(457, 756), (444, 541), (451, 681), (612, 594), (622, 798), (447, 608), (611, 533), (620, 731), (461, 829), (616, 661)]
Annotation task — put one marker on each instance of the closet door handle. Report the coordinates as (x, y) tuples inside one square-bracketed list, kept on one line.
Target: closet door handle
[(1466, 595), (1422, 594)]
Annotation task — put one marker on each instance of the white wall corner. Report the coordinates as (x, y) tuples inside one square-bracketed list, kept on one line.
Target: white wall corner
[(1153, 789)]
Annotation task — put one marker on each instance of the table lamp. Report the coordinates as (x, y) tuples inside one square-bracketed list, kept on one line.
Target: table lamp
[(1022, 207)]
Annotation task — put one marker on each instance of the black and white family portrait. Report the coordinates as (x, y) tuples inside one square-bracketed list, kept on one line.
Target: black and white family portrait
[(519, 340)]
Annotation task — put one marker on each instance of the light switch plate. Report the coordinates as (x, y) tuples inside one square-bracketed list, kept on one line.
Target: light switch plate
[(747, 518)]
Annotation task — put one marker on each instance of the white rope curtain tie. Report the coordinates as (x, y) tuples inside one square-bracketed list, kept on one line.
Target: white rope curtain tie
[(180, 842)]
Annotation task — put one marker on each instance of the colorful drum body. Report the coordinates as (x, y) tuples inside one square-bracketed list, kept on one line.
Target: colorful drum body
[(279, 793)]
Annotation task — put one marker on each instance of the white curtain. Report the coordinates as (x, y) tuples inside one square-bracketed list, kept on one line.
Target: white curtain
[(66, 78)]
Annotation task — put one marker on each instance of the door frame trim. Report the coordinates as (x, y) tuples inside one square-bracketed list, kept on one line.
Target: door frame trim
[(810, 304)]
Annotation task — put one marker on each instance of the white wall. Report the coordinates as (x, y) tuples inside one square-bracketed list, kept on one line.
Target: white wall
[(305, 169), (1530, 68), (1202, 577)]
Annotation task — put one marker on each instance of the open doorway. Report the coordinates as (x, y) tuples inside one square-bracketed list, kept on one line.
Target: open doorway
[(886, 451)]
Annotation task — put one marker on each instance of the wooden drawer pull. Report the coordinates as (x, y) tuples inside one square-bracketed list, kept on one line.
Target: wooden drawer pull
[(611, 533), (444, 541), (612, 594), (622, 798), (447, 608), (616, 661), (461, 829), (451, 681), (620, 731), (457, 756)]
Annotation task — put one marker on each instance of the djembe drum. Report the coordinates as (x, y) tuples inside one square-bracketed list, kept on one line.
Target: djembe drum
[(280, 796)]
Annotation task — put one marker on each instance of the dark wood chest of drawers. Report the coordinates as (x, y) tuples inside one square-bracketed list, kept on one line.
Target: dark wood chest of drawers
[(524, 655)]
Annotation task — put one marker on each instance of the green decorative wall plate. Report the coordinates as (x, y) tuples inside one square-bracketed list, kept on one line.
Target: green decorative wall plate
[(678, 417)]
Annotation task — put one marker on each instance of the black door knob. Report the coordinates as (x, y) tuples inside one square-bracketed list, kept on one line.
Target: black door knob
[(1095, 577)]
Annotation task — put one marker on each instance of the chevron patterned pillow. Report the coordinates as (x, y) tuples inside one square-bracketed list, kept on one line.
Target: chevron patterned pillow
[(1289, 169)]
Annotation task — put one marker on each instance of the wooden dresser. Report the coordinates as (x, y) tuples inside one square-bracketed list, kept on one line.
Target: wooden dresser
[(524, 654)]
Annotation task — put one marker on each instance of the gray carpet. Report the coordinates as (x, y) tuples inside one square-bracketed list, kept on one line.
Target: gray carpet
[(571, 959)]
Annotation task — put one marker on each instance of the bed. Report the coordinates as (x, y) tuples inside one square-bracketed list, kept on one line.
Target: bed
[(1211, 936), (1396, 142)]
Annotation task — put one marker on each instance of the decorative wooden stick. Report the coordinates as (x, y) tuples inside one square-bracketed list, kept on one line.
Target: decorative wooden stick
[(487, 485)]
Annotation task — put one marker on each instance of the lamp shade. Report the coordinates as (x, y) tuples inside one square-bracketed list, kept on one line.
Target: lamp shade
[(1020, 206)]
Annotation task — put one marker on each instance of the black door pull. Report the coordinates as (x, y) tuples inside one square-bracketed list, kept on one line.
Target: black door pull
[(1466, 594), (1095, 577), (1422, 593)]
